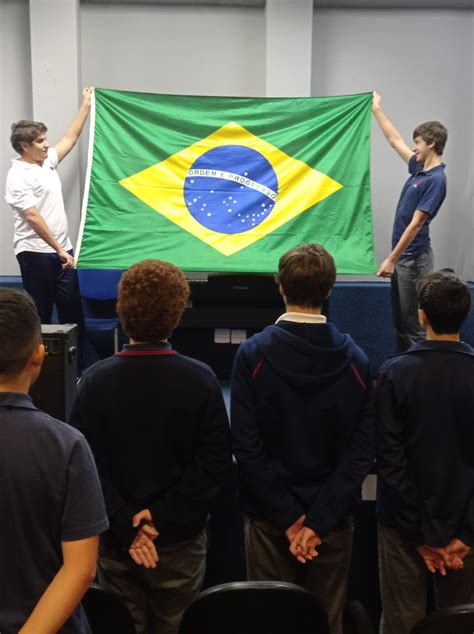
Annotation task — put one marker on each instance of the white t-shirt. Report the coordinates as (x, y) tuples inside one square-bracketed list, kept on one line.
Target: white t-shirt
[(31, 185)]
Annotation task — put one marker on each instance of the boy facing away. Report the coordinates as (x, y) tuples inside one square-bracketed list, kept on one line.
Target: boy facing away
[(302, 427), (159, 431), (425, 435)]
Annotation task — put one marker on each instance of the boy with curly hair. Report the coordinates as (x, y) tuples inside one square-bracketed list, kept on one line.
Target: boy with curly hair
[(158, 428)]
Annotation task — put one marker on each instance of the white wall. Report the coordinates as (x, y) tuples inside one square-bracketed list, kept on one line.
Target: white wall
[(182, 49), (150, 48), (15, 104), (421, 62)]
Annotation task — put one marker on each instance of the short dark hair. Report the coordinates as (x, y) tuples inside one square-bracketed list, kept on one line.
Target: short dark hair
[(432, 132), (445, 299), (25, 132), (152, 298), (20, 330), (306, 274)]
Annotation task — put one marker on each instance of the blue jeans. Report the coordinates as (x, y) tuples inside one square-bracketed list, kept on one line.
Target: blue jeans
[(404, 298)]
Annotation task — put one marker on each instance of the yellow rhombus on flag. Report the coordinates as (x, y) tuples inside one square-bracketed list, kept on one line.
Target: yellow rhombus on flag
[(161, 186)]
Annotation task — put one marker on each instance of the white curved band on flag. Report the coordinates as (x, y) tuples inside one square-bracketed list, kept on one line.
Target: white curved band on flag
[(237, 178)]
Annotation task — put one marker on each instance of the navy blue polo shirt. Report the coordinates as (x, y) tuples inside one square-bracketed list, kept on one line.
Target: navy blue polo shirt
[(49, 493), (425, 191)]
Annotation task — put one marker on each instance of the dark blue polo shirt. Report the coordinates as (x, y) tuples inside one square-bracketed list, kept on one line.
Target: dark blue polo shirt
[(49, 493), (425, 191)]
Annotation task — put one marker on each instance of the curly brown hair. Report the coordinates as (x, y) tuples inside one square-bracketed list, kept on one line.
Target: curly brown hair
[(152, 298)]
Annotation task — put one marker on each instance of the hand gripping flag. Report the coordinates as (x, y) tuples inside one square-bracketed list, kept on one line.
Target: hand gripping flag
[(226, 183)]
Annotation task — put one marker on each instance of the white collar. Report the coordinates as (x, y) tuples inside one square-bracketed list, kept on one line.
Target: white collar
[(302, 318)]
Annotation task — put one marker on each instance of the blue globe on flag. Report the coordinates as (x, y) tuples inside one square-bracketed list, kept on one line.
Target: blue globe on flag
[(230, 189)]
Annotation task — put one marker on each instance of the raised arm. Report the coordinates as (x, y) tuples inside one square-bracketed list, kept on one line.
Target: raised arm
[(69, 140), (391, 133), (67, 588)]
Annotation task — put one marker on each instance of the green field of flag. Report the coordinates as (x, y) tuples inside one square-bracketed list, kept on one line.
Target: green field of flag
[(226, 184)]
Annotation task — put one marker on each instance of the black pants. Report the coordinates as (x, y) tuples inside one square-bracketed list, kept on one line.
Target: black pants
[(403, 583), (269, 559), (49, 284), (157, 598)]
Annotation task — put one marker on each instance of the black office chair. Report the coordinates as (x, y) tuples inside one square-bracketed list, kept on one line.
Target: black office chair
[(106, 612), (456, 620), (255, 607)]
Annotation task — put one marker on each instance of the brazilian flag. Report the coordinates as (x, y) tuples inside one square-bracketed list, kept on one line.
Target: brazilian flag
[(226, 183)]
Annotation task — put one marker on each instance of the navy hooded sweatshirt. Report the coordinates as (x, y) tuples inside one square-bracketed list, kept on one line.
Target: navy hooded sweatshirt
[(302, 424)]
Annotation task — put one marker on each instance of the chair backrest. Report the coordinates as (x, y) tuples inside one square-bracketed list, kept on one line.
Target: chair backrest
[(456, 620), (99, 283), (106, 612), (99, 290), (357, 619), (255, 607)]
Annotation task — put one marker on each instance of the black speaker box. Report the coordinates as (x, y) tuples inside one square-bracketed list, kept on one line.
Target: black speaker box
[(55, 388)]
